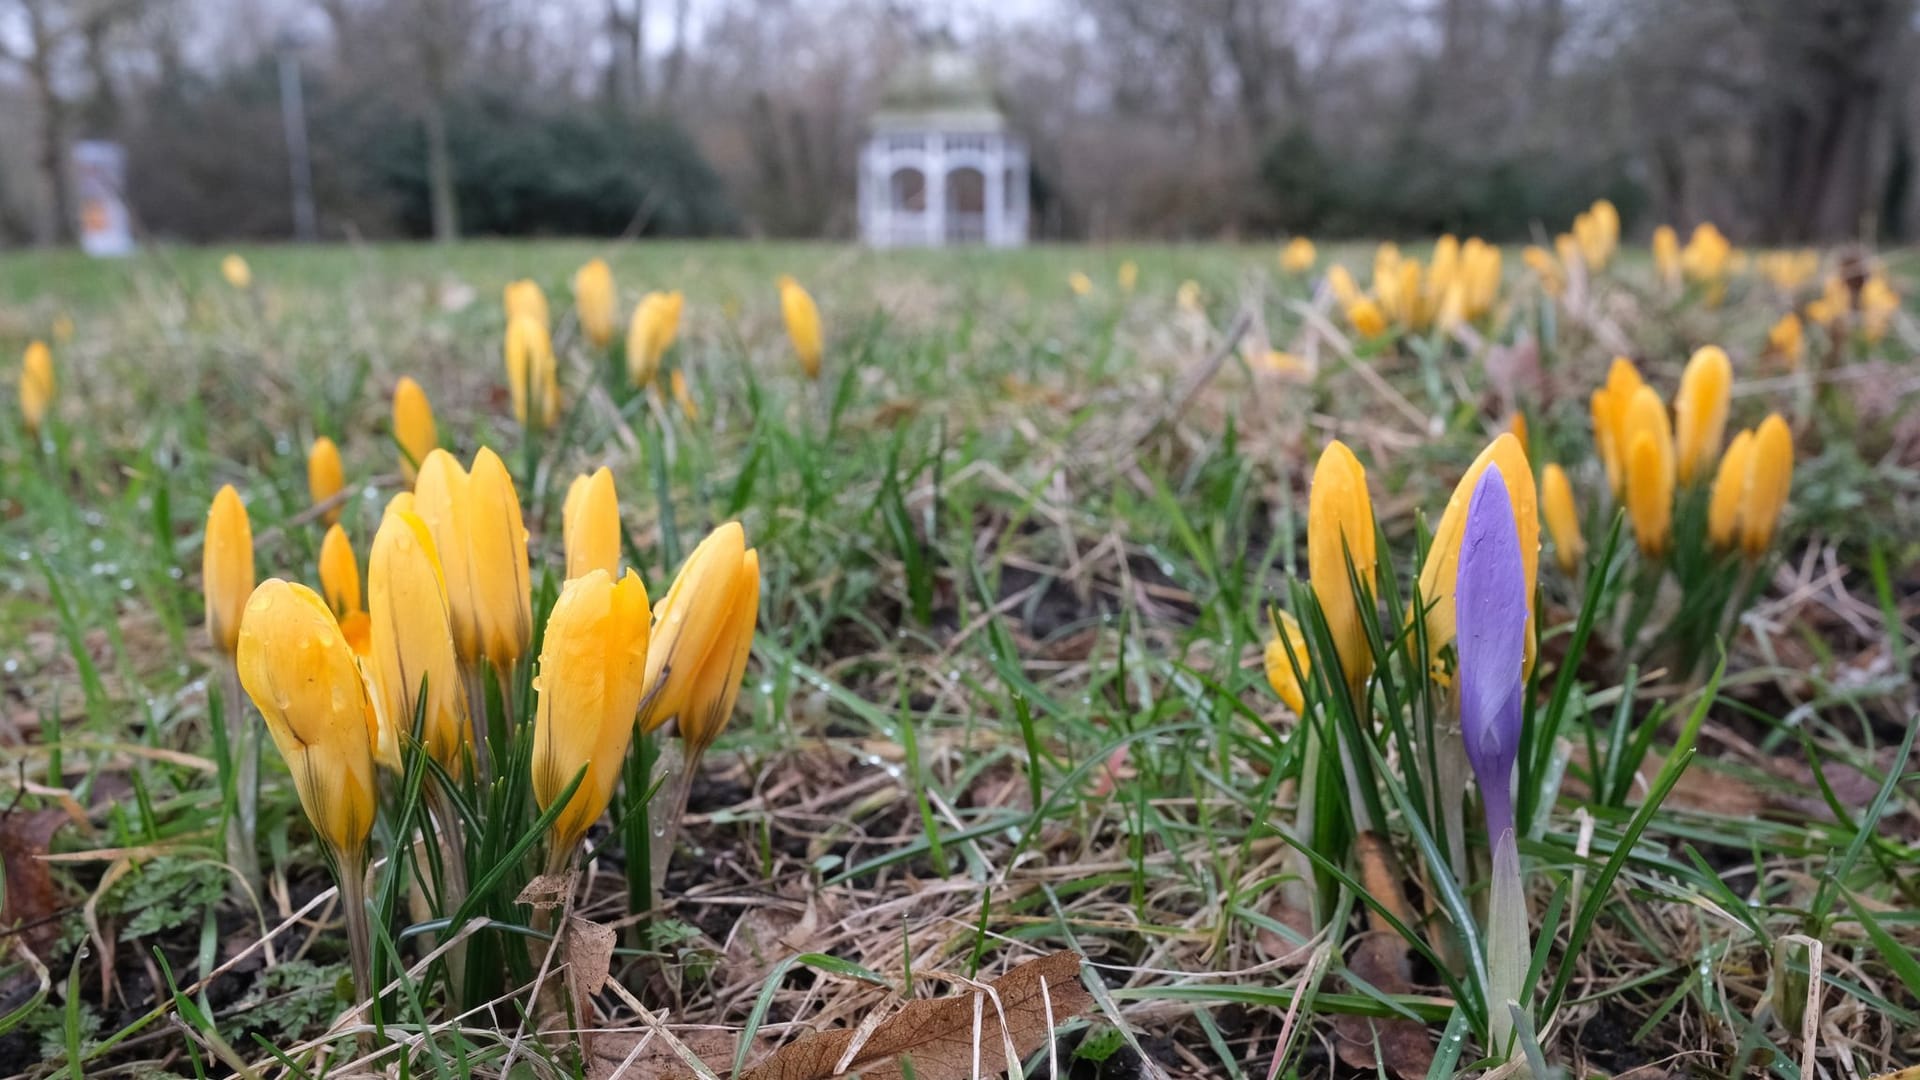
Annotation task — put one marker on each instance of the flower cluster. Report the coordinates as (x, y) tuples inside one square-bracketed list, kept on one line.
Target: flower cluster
[(1459, 284)]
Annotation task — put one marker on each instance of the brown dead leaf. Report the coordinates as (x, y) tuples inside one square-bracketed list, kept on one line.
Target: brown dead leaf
[(32, 900), (589, 955), (1404, 1047), (631, 1055), (939, 1034), (546, 891), (1380, 872), (1707, 791), (1277, 946)]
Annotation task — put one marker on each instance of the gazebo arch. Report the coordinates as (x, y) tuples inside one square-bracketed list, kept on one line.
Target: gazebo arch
[(941, 165)]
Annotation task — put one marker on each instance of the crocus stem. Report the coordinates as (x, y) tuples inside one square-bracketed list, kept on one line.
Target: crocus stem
[(474, 675), (1306, 894), (1508, 949), (676, 774), (351, 868), (243, 747), (453, 863)]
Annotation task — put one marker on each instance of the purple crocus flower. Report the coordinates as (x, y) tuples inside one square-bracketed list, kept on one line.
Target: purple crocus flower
[(1490, 616)]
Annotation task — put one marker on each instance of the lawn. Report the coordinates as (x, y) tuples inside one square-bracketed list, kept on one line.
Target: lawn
[(1022, 546)]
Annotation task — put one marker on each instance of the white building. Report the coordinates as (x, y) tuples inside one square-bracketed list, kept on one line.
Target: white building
[(941, 167)]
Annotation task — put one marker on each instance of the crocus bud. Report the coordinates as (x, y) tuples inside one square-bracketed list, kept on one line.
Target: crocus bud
[(1769, 479), (803, 324), (1444, 553), (301, 675), (1666, 256), (595, 303), (712, 603), (1298, 256), (1127, 276), (525, 297), (532, 374), (1562, 517), (36, 386), (1080, 283), (1340, 531), (412, 644), (1517, 425), (1729, 492), (340, 586), (1340, 283), (413, 427), (1287, 639), (590, 524), (325, 476), (226, 568), (683, 396), (1649, 471), (1700, 411), (236, 271), (440, 498), (656, 321), (1787, 340), (593, 664), (497, 548), (1366, 318), (1609, 407), (1491, 600), (1545, 266)]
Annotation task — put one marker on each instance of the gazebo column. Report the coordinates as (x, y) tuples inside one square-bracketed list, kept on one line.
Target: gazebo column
[(936, 170), (993, 185)]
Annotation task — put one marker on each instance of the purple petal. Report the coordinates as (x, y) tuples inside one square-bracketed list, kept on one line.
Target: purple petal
[(1490, 613)]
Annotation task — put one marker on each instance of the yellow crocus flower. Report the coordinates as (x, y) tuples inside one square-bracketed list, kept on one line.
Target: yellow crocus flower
[(713, 600), (1127, 276), (590, 524), (683, 395), (412, 645), (1700, 410), (1729, 491), (656, 322), (226, 568), (1666, 256), (236, 271), (1547, 268), (36, 385), (340, 585), (1366, 318), (325, 476), (525, 297), (301, 675), (497, 560), (803, 324), (532, 371), (440, 498), (1080, 283), (1769, 480), (413, 427), (593, 664), (1648, 437), (1298, 256), (1341, 284), (1340, 531), (1287, 638), (1787, 340), (1562, 517), (595, 302)]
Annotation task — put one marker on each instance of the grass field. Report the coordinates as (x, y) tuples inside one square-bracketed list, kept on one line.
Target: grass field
[(1018, 547)]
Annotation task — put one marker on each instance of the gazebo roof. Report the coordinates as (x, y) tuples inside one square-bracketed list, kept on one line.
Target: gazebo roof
[(943, 89)]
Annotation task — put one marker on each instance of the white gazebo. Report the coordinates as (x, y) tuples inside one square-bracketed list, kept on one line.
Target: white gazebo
[(941, 167)]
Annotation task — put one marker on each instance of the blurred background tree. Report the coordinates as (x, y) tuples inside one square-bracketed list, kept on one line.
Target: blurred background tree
[(1780, 120)]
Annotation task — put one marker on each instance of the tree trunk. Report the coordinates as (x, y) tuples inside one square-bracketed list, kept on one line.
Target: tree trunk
[(57, 227), (440, 193)]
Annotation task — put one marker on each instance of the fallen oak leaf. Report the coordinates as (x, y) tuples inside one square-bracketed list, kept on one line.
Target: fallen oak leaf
[(946, 1037), (1404, 1046)]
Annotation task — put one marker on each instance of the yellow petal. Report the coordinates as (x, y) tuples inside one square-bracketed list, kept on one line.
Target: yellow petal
[(590, 525), (36, 385), (497, 550), (1770, 478), (1562, 518), (595, 302), (413, 427), (803, 324), (1280, 671), (593, 663), (1340, 531), (1700, 408), (226, 568), (339, 572), (441, 498), (325, 475), (412, 642), (1729, 492), (297, 667)]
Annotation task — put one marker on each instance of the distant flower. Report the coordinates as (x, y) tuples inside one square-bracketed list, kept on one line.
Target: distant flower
[(413, 426), (62, 328), (1080, 283), (1366, 318), (36, 386), (1517, 424), (525, 297), (1609, 409), (532, 373), (803, 325), (1562, 517), (1787, 340), (236, 271), (1708, 260), (340, 586), (1878, 305), (655, 324), (1547, 268), (1666, 256), (1700, 410), (1298, 256), (595, 302), (1340, 284), (1127, 276), (682, 395), (1187, 297), (1788, 271), (325, 476)]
